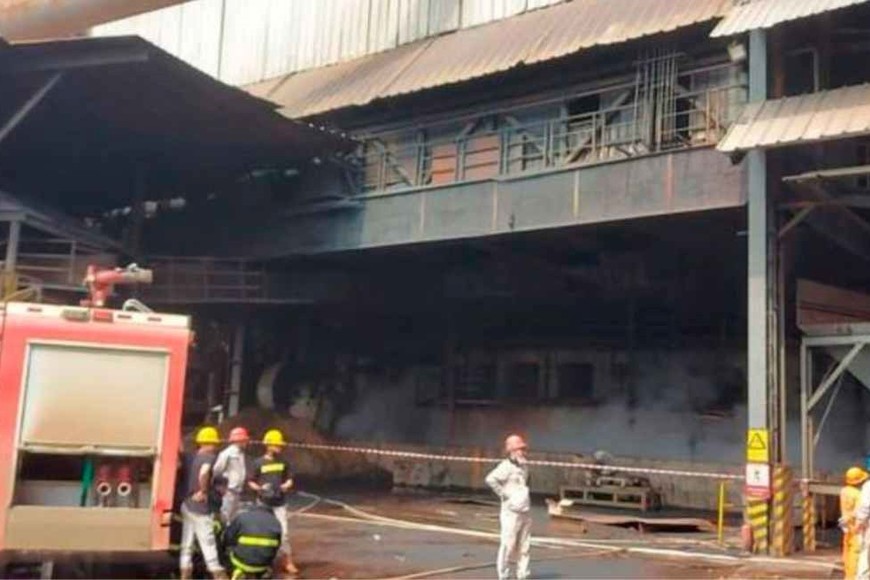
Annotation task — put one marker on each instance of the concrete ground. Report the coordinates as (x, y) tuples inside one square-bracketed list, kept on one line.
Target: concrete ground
[(382, 534), (370, 537)]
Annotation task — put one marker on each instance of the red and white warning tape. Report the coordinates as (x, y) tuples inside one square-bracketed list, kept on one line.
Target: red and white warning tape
[(534, 462)]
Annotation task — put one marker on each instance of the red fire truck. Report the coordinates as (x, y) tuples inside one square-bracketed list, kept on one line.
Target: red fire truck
[(90, 419)]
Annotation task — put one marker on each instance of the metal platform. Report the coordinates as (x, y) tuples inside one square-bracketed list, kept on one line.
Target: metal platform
[(642, 498), (567, 509)]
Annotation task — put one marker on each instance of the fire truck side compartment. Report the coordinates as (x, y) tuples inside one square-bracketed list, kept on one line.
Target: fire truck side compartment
[(81, 391)]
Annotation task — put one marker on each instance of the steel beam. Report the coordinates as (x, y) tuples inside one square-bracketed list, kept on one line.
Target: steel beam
[(12, 244), (28, 106), (851, 339), (758, 278), (81, 54), (805, 374), (827, 412), (795, 220), (835, 374)]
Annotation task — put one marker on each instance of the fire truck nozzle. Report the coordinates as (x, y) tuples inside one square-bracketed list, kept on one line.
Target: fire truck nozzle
[(101, 282)]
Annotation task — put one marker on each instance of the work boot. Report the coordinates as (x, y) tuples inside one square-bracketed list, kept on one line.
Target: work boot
[(186, 574), (285, 567)]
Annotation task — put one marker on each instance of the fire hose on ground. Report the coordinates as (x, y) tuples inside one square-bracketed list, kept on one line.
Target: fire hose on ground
[(610, 547)]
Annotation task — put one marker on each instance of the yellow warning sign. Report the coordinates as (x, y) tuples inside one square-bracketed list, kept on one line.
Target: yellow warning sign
[(757, 448)]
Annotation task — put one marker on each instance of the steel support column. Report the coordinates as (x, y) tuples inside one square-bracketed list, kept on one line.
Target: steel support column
[(10, 281), (758, 339), (238, 359)]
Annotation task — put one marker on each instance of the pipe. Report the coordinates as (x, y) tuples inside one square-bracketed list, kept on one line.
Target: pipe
[(103, 483), (125, 481), (42, 19), (720, 527)]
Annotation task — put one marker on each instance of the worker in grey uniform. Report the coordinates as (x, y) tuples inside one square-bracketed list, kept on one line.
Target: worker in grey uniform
[(230, 464), (196, 512), (510, 482)]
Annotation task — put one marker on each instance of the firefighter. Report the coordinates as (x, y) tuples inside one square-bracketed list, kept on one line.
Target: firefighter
[(510, 482), (272, 472), (850, 494), (196, 511), (230, 464), (254, 538)]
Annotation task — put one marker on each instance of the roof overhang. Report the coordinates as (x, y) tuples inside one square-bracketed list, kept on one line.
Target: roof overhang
[(761, 14), (532, 38), (40, 19), (99, 107), (822, 116)]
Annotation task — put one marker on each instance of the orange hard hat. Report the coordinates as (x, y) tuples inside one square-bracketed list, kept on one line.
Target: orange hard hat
[(855, 476), (514, 443), (239, 435)]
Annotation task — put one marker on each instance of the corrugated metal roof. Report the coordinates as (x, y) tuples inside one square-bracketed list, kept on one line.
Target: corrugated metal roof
[(756, 14), (529, 38), (835, 114)]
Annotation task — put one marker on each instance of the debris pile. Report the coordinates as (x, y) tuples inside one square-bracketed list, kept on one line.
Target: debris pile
[(307, 464)]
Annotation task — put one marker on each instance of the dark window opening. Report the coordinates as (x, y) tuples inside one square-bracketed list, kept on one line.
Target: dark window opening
[(576, 381), (584, 105), (801, 72), (523, 381), (477, 384)]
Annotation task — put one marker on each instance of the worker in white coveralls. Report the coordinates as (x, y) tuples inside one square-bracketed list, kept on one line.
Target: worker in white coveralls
[(510, 482), (862, 529), (230, 465)]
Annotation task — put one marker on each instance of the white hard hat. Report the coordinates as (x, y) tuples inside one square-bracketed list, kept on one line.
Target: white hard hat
[(514, 443)]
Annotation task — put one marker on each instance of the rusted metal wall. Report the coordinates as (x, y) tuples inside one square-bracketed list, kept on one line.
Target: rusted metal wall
[(246, 41), (687, 181)]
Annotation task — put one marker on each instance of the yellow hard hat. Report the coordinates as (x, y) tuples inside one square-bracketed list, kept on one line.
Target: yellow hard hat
[(273, 437), (855, 476), (207, 436)]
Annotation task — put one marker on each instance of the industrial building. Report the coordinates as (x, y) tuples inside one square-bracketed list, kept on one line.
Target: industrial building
[(637, 230)]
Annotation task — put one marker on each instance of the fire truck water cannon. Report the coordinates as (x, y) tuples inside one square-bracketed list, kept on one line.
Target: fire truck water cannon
[(100, 283)]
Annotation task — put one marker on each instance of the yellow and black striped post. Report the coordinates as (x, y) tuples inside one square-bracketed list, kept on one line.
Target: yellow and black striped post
[(757, 514), (782, 528), (808, 505)]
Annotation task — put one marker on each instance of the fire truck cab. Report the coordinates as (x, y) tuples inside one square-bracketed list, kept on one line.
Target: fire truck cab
[(90, 419)]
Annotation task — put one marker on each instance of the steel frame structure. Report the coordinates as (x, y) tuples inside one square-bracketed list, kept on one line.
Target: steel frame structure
[(812, 395)]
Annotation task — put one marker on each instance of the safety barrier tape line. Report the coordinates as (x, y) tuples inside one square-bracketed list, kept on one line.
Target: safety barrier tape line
[(534, 462)]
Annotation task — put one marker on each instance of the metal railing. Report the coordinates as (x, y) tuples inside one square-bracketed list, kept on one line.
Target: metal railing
[(205, 280), (56, 263), (640, 127)]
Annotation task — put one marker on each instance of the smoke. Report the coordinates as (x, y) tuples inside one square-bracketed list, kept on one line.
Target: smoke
[(687, 405)]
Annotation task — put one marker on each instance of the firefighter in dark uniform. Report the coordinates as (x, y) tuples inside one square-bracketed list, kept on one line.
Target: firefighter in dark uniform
[(272, 471), (253, 539)]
